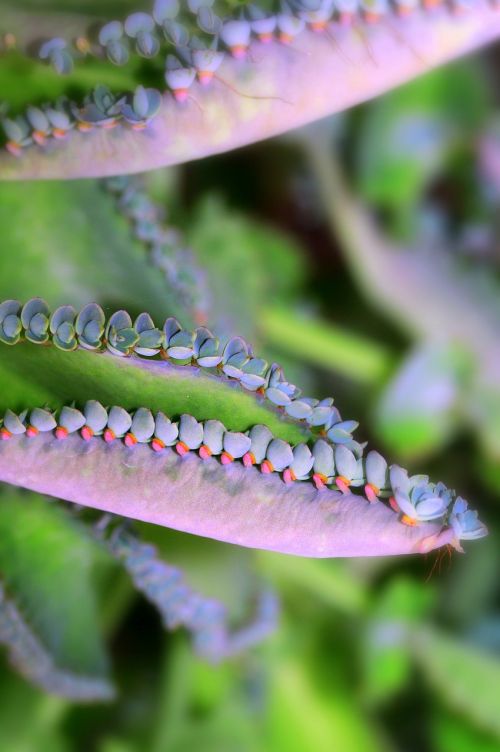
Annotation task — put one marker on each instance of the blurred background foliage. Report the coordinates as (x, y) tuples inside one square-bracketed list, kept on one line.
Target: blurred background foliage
[(401, 323)]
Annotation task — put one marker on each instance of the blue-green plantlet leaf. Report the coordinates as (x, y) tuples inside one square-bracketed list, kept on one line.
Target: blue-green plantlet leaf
[(119, 422), (213, 435), (120, 334), (10, 322), (55, 51), (62, 328), (35, 321)]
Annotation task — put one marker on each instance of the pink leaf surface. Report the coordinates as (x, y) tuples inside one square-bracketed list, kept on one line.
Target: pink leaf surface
[(233, 503), (276, 89)]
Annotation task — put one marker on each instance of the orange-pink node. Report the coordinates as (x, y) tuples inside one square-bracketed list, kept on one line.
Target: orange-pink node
[(371, 492), (59, 133), (109, 435), (180, 95), (86, 433), (181, 448), (39, 138), (249, 459), (394, 504), (342, 484), (239, 51), (205, 77), (13, 148), (319, 480)]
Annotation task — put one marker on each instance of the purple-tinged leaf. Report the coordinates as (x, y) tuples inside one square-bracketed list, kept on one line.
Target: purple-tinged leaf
[(290, 86), (232, 503)]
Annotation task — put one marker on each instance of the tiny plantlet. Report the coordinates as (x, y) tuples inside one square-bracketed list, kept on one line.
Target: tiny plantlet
[(154, 421)]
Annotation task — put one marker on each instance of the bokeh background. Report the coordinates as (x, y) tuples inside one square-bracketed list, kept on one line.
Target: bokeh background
[(363, 253)]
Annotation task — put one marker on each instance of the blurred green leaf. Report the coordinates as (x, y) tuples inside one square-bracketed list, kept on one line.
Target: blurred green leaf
[(248, 263), (407, 136), (18, 702), (304, 718), (39, 546), (328, 582), (324, 344), (418, 411), (386, 658), (476, 576), (451, 733), (464, 677), (203, 707), (66, 242)]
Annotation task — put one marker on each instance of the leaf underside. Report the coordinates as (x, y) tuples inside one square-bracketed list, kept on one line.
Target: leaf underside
[(282, 88), (233, 503)]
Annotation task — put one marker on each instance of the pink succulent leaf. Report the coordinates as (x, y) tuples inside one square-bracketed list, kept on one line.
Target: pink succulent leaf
[(231, 503), (281, 88)]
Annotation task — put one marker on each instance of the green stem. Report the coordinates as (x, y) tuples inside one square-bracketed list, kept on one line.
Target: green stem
[(325, 345)]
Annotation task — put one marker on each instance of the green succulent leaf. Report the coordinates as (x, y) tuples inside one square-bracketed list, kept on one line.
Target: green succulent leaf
[(66, 240), (50, 375)]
